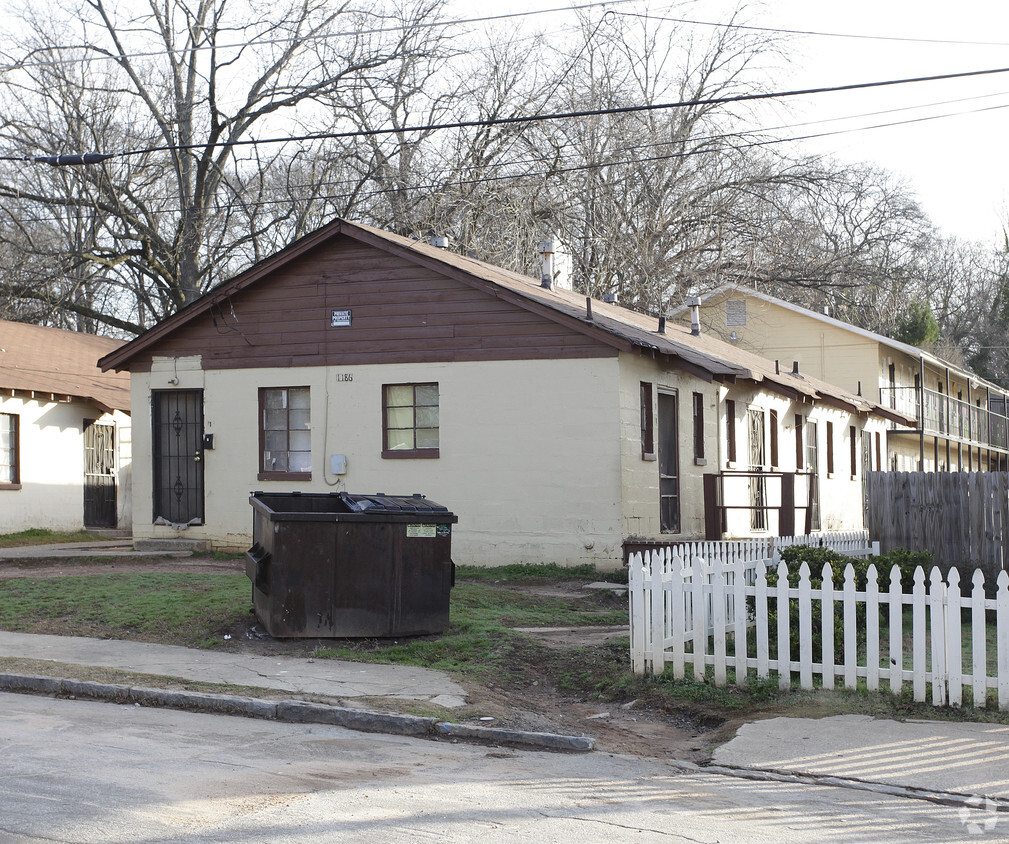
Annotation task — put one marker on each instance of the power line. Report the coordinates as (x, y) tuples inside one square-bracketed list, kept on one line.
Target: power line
[(445, 172), (819, 33), (18, 65), (544, 174), (78, 158)]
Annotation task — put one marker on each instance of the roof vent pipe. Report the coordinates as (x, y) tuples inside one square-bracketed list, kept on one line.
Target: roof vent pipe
[(795, 367), (588, 307), (662, 325), (695, 315), (859, 388), (777, 368), (547, 265), (440, 242)]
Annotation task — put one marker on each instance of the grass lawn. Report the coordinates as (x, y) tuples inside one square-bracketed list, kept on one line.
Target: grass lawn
[(175, 608), (198, 610), (43, 536)]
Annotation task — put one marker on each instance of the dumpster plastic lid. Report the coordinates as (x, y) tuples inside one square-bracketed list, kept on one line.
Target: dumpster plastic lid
[(382, 503)]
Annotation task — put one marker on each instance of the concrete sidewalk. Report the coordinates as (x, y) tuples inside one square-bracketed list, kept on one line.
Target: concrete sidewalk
[(329, 677), (952, 757)]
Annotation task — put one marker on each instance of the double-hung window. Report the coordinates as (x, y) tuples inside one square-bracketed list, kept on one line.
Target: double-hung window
[(10, 469), (410, 420), (285, 434)]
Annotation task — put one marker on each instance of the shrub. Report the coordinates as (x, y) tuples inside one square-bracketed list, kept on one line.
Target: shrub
[(906, 561)]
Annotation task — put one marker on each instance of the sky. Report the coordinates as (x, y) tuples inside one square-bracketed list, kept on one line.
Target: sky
[(957, 166)]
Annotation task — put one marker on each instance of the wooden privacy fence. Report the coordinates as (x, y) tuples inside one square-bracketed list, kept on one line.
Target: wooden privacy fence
[(960, 517), (706, 615)]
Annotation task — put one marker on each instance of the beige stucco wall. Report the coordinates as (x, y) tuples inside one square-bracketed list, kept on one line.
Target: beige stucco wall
[(640, 477), (834, 354), (840, 492), (520, 460), (52, 465)]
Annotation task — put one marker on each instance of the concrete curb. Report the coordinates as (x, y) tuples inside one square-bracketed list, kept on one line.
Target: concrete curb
[(292, 711), (954, 799)]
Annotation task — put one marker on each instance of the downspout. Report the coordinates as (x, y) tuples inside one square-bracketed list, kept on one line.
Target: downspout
[(948, 420), (920, 401), (970, 430)]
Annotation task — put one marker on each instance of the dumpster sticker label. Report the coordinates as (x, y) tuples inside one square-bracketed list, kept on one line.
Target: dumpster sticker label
[(444, 530), (421, 531)]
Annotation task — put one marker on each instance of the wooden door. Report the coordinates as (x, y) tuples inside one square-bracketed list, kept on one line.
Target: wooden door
[(178, 455), (669, 464)]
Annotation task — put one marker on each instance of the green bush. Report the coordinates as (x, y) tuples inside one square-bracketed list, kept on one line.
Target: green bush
[(814, 557)]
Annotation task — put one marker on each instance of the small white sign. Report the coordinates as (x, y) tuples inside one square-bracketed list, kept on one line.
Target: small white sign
[(421, 531), (341, 319)]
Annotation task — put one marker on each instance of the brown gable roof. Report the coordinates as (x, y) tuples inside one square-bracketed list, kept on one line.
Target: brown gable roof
[(60, 363), (702, 355)]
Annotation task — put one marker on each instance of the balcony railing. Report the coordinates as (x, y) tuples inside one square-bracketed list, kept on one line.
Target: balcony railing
[(940, 415)]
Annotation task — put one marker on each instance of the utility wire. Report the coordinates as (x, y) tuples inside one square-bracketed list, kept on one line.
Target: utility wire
[(95, 157), (18, 65), (818, 33), (539, 175), (446, 172)]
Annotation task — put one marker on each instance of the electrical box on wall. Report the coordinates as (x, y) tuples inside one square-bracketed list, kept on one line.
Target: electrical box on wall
[(208, 442), (338, 464)]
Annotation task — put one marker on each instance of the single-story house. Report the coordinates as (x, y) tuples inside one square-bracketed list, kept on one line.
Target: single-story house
[(556, 427), (64, 431), (957, 421)]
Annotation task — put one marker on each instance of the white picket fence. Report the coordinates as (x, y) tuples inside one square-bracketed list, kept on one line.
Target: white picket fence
[(754, 554), (687, 611), (760, 549)]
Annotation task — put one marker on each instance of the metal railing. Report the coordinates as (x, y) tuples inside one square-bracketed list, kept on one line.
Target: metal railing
[(940, 415)]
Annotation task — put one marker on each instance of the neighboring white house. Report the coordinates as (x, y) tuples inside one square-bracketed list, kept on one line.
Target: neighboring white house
[(64, 431), (557, 428)]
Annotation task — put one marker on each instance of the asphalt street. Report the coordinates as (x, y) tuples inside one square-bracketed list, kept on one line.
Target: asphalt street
[(79, 771)]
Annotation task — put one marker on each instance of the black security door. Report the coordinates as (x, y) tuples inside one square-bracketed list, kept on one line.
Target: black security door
[(99, 474), (669, 464), (178, 456)]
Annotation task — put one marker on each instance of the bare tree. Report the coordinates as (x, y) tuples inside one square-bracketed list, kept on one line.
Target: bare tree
[(177, 87)]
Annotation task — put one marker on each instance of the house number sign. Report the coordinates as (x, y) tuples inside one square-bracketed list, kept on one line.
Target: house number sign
[(341, 319)]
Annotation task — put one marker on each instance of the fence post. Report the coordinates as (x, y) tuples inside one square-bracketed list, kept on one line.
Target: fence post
[(761, 620), (896, 632), (784, 640), (850, 630), (636, 592), (678, 621), (805, 629), (872, 628), (1002, 637), (718, 600), (954, 649), (658, 612), (700, 607), (918, 634), (937, 618), (979, 640), (739, 620), (827, 626)]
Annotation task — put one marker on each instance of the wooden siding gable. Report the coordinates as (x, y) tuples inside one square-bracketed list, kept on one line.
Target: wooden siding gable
[(399, 310)]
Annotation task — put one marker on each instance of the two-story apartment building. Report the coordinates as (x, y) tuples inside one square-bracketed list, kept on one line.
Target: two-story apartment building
[(958, 419)]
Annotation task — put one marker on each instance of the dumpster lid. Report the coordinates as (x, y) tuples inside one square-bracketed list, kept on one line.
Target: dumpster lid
[(382, 503)]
